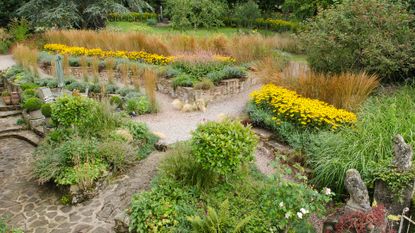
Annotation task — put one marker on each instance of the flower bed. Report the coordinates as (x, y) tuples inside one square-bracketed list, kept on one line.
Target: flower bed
[(289, 106), (137, 56)]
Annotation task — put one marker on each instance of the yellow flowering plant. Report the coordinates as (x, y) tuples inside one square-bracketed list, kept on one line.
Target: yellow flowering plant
[(289, 106), (150, 58)]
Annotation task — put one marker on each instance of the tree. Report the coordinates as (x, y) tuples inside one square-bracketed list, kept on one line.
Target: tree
[(376, 36), (304, 9), (70, 13), (8, 10), (247, 13)]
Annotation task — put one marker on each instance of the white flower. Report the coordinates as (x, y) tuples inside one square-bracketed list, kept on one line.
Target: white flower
[(281, 204), (327, 191), (288, 214), (299, 215), (304, 211)]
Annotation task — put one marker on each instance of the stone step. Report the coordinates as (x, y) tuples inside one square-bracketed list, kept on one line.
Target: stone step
[(25, 135), (4, 114), (4, 108)]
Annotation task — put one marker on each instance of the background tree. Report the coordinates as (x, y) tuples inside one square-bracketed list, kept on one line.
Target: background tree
[(8, 10), (71, 13), (247, 13)]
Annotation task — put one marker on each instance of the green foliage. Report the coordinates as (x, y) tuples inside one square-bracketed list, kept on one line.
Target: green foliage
[(138, 105), (223, 147), (371, 35), (32, 104), (228, 72), (301, 10), (198, 69), (4, 228), (132, 17), (151, 22), (19, 29), (28, 85), (28, 93), (204, 84), (182, 166), (72, 110), (217, 221), (116, 101), (370, 140), (69, 14), (182, 80), (118, 154), (196, 13), (395, 180), (143, 138), (247, 13), (8, 11), (46, 110)]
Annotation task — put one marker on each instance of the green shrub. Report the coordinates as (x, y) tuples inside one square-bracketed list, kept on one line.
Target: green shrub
[(143, 138), (301, 10), (371, 35), (72, 110), (247, 13), (116, 101), (182, 166), (196, 13), (139, 105), (4, 228), (370, 141), (19, 29), (151, 22), (75, 85), (228, 72), (277, 25), (28, 85), (182, 80), (32, 104), (46, 110), (132, 16), (117, 154), (223, 147), (28, 93), (198, 69)]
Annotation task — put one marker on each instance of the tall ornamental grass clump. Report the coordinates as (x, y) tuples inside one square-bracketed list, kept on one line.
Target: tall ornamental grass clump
[(376, 36), (370, 140)]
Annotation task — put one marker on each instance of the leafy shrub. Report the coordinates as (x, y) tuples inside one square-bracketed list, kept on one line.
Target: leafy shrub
[(28, 85), (28, 93), (196, 13), (143, 138), (223, 147), (76, 86), (359, 222), (46, 110), (117, 154), (369, 141), (32, 104), (139, 105), (72, 110), (301, 10), (7, 229), (151, 22), (182, 166), (198, 70), (116, 101), (277, 25), (288, 106), (182, 80), (19, 29), (371, 35), (247, 13)]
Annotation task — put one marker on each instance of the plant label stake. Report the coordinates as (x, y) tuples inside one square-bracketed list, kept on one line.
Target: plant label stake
[(59, 72)]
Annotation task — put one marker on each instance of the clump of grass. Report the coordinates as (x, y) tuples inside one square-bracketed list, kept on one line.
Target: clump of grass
[(123, 68), (331, 154), (65, 64), (84, 67), (250, 48), (95, 69), (136, 73), (150, 80), (109, 66), (26, 57)]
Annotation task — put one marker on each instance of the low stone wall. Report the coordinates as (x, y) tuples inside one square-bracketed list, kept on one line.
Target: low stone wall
[(190, 95)]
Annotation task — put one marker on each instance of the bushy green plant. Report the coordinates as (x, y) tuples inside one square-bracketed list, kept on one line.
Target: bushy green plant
[(369, 141), (32, 104), (151, 22), (75, 85), (204, 84), (46, 110), (119, 155), (139, 105), (182, 80), (72, 110), (19, 29), (132, 16), (196, 13), (4, 228), (301, 10), (143, 138), (116, 101), (246, 13), (371, 35), (182, 166), (28, 85), (223, 147)]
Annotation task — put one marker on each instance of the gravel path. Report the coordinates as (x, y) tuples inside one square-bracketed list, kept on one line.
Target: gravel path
[(6, 61), (177, 126)]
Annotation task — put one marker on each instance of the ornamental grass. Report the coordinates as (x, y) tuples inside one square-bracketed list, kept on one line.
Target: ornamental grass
[(288, 106)]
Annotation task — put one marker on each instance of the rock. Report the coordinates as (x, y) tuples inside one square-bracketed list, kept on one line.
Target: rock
[(187, 108), (122, 221), (177, 104), (359, 197), (402, 154)]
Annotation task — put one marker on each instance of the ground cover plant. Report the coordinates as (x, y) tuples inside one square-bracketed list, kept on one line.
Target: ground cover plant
[(194, 194)]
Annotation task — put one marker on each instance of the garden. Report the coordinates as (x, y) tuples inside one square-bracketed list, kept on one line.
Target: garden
[(207, 116)]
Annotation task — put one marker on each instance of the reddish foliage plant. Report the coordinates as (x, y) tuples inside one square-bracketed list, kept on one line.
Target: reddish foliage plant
[(360, 222)]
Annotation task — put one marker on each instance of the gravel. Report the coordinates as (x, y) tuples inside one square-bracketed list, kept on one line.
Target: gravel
[(176, 126), (6, 61)]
